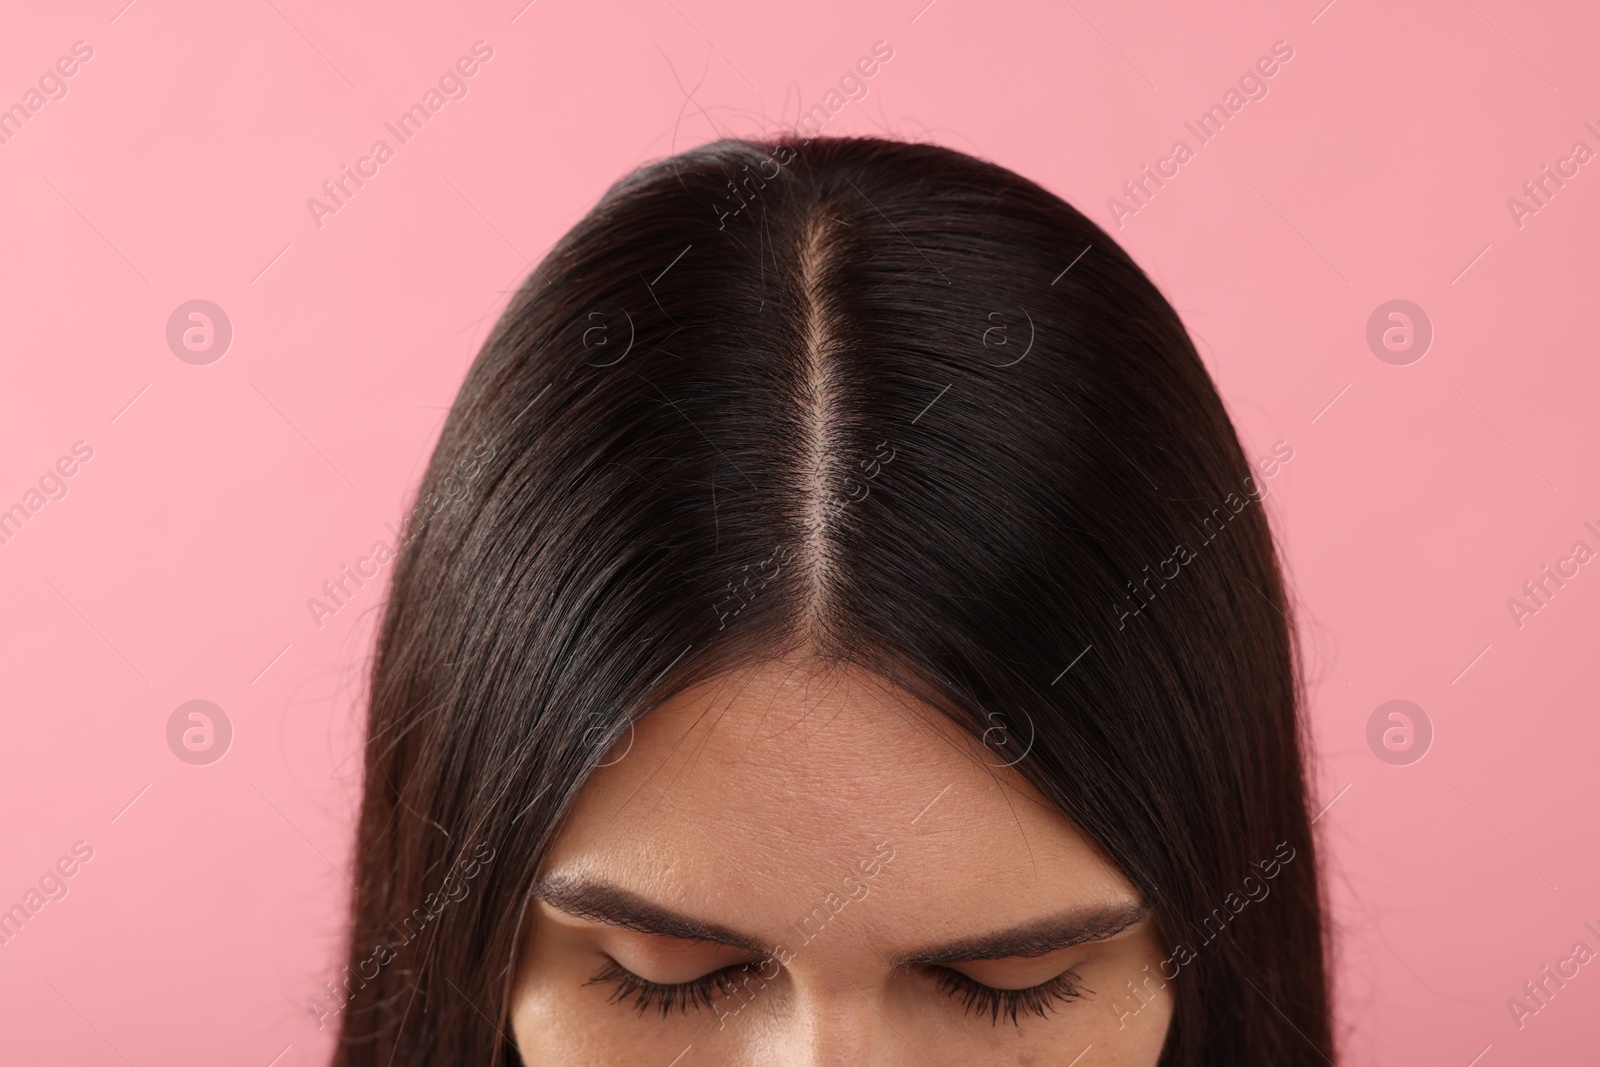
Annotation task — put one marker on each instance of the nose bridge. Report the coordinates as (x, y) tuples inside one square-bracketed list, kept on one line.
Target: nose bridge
[(843, 1025)]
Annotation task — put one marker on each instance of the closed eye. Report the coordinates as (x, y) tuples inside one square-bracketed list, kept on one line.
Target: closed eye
[(704, 992), (668, 997), (977, 998)]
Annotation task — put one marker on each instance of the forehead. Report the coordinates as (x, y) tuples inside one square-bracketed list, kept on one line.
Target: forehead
[(772, 784)]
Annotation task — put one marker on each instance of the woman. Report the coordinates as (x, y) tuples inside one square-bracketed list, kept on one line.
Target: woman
[(845, 630)]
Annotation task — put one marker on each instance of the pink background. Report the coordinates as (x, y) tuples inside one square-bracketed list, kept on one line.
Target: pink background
[(179, 563)]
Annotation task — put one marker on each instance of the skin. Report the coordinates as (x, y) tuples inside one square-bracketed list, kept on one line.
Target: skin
[(746, 805)]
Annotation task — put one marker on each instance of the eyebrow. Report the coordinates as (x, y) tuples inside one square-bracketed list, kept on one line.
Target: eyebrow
[(612, 905), (603, 902), (1078, 926)]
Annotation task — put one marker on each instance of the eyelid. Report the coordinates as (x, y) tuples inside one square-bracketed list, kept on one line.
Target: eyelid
[(661, 951), (1054, 962), (1039, 999), (666, 996), (645, 952), (698, 992)]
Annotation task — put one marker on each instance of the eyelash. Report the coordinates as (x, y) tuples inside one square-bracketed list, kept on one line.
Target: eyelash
[(974, 996), (1038, 1000), (667, 996)]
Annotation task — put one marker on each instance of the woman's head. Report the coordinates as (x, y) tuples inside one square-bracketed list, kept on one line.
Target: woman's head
[(843, 584)]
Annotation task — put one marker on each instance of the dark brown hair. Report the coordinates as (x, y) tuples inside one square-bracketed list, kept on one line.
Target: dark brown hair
[(888, 405)]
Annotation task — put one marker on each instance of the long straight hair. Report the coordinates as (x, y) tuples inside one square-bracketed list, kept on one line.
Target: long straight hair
[(886, 405)]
